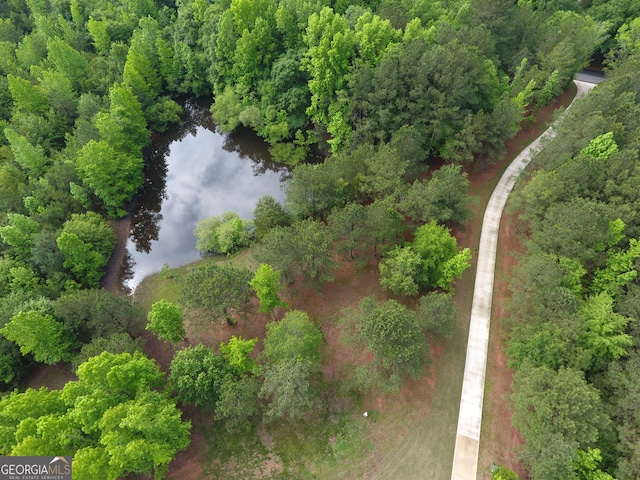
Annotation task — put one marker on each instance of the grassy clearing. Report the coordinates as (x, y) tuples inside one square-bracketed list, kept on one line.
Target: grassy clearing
[(166, 283)]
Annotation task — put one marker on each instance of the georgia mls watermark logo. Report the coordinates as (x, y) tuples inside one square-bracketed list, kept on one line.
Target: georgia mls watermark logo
[(35, 468)]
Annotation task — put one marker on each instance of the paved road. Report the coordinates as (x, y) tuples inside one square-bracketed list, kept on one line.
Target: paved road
[(465, 457), (590, 76)]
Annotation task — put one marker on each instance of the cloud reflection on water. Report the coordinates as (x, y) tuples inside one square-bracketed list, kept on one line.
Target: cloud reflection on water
[(206, 174)]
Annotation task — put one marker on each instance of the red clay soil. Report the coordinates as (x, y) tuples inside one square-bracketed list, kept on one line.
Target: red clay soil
[(349, 287), (499, 440)]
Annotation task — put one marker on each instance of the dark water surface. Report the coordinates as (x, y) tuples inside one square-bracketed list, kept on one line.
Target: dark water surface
[(192, 173)]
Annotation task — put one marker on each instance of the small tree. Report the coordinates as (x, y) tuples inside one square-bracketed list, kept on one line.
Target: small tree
[(436, 314), (442, 260), (265, 282), (221, 289), (399, 270), (237, 352), (224, 234), (287, 385), (294, 337), (86, 242), (239, 403), (166, 321), (392, 333), (197, 375), (302, 248), (269, 214)]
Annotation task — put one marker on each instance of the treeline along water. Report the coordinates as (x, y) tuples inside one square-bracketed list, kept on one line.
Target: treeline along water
[(193, 172)]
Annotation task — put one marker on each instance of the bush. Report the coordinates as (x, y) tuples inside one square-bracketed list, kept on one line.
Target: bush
[(225, 234)]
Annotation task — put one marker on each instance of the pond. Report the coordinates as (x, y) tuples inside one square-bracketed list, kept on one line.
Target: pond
[(191, 173)]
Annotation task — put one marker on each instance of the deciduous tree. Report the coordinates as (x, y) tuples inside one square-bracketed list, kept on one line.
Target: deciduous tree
[(392, 333), (399, 271), (301, 249), (266, 284), (197, 375), (166, 321), (557, 413), (39, 334), (236, 351), (294, 337), (221, 289)]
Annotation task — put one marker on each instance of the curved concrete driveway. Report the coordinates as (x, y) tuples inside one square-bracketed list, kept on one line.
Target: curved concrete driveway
[(465, 457)]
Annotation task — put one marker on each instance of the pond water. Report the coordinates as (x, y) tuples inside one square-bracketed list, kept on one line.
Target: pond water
[(192, 173)]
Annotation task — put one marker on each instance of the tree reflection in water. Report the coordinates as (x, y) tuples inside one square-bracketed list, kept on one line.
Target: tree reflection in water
[(220, 183)]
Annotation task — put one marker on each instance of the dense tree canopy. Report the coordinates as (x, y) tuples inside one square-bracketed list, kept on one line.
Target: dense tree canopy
[(386, 87), (98, 419), (572, 312)]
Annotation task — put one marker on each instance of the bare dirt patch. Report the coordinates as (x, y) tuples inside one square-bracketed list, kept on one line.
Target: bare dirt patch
[(500, 441)]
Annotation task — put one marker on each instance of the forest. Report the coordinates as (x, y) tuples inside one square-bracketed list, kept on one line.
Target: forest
[(397, 98)]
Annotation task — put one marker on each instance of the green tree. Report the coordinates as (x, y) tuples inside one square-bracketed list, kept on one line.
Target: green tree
[(443, 262), (236, 351), (392, 333), (221, 289), (564, 232), (268, 214), (224, 234), (137, 445), (301, 249), (19, 234), (25, 407), (384, 224), (113, 175), (588, 465), (91, 462), (330, 50), (288, 388), (605, 335), (266, 284), (374, 36), (86, 242), (68, 61), (503, 473), (166, 321), (197, 375), (115, 343), (443, 198), (557, 413), (39, 334), (124, 128), (618, 272), (348, 227), (385, 174), (27, 98), (120, 375), (31, 159), (436, 314), (294, 337), (141, 69), (238, 404), (399, 271), (601, 147), (95, 313)]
